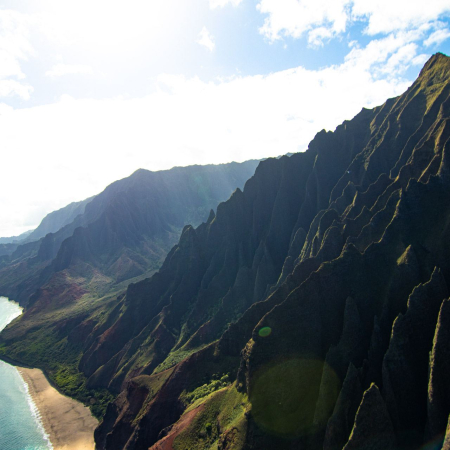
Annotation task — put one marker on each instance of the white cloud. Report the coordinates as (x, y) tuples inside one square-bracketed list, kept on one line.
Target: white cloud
[(295, 18), (9, 88), (386, 16), (324, 19), (388, 57), (397, 64), (318, 35), (221, 3), (14, 48), (72, 149), (206, 39), (60, 69), (437, 37)]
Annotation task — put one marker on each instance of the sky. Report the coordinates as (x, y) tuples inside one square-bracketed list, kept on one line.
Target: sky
[(92, 90)]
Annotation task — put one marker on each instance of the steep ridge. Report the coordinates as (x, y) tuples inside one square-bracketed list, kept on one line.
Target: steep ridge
[(133, 223), (51, 223), (56, 220), (396, 239), (12, 239), (303, 314), (333, 269), (20, 280)]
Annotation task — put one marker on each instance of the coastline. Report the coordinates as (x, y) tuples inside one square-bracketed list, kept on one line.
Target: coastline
[(68, 423)]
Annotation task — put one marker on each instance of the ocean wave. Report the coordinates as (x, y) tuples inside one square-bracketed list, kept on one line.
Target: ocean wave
[(10, 310), (36, 414)]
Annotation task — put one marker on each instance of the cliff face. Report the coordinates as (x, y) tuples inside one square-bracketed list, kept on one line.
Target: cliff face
[(321, 289)]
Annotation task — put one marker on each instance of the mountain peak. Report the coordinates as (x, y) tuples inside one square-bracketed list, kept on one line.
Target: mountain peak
[(438, 64)]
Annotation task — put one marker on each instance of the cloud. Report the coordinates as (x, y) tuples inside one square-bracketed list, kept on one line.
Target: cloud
[(295, 18), (386, 16), (322, 20), (388, 57), (221, 3), (15, 47), (73, 148), (60, 69), (317, 36), (9, 88), (206, 39), (437, 37)]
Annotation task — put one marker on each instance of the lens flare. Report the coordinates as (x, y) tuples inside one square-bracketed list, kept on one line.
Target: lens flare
[(265, 331), (284, 395)]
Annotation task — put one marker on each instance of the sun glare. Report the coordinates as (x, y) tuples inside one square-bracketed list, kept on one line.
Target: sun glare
[(109, 24)]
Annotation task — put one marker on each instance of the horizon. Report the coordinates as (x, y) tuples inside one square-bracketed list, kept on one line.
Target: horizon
[(91, 92)]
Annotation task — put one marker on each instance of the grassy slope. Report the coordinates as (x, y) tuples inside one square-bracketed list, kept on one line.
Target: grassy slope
[(41, 341), (222, 418)]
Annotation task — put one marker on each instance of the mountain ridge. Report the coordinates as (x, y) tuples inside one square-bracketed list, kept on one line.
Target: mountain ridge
[(40, 259), (288, 318)]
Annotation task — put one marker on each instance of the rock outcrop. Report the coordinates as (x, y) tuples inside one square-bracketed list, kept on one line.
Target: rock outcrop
[(373, 427), (439, 382)]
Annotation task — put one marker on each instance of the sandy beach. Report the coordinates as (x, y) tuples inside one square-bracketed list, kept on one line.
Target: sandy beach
[(69, 423)]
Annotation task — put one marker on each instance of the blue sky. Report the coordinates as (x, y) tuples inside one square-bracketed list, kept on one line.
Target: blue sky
[(92, 90)]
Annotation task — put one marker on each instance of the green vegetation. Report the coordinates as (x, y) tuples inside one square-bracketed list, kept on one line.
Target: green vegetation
[(202, 391), (59, 360), (220, 417), (153, 384), (174, 358)]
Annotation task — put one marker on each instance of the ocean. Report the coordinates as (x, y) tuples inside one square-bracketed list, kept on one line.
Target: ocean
[(20, 424)]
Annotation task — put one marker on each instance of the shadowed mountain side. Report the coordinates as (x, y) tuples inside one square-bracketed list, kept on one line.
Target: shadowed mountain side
[(12, 239), (126, 230), (214, 273), (51, 223), (56, 220), (232, 261)]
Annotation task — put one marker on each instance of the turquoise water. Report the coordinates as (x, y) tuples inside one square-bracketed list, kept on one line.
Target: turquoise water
[(20, 425)]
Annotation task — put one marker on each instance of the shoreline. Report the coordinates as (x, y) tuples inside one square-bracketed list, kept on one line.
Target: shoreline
[(68, 423)]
